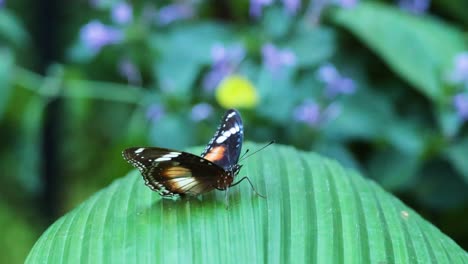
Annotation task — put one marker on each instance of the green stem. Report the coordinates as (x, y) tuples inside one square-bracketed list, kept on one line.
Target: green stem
[(55, 86)]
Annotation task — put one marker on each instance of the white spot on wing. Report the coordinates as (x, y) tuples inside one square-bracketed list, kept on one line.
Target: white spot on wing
[(171, 155), (163, 158), (139, 150), (221, 139), (231, 115), (226, 134)]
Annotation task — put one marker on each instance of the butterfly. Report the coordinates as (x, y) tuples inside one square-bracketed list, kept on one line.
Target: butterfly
[(173, 173)]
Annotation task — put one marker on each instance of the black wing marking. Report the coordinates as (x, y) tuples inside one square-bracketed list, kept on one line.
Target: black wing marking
[(173, 173), (225, 147)]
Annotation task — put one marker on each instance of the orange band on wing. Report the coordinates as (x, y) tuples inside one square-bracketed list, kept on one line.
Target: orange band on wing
[(215, 154), (175, 172)]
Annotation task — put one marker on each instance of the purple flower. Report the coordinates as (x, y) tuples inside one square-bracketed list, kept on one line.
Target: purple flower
[(174, 12), (225, 61), (332, 111), (335, 83), (234, 54), (201, 112), (129, 71), (213, 78), (96, 35), (308, 112), (414, 6), (313, 114), (347, 3), (218, 53), (256, 7), (460, 102), (460, 71), (155, 112), (341, 85), (327, 73), (122, 13), (275, 58), (292, 6)]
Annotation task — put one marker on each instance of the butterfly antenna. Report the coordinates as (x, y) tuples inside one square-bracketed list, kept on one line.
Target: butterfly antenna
[(244, 155), (246, 151)]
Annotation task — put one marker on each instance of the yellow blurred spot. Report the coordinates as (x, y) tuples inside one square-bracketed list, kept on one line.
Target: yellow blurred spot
[(236, 91)]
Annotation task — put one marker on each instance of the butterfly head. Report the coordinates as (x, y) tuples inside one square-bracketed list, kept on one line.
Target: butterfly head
[(224, 182), (234, 170)]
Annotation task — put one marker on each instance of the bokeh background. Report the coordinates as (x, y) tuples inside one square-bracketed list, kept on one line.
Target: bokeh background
[(381, 86)]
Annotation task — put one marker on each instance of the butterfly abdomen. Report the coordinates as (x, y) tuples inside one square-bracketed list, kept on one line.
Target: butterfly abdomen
[(224, 182)]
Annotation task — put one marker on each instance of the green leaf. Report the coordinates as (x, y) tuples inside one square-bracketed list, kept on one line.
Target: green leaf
[(276, 92), (448, 120), (276, 22), (440, 187), (337, 151), (191, 42), (183, 52), (6, 68), (18, 230), (170, 132), (456, 154), (315, 212), (177, 76), (11, 29), (23, 126), (394, 169), (313, 45), (418, 48), (28, 148), (370, 109), (456, 8)]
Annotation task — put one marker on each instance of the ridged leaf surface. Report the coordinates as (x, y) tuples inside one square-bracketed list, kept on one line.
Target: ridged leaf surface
[(315, 212)]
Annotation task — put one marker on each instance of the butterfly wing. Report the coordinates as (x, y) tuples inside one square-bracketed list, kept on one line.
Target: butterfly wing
[(225, 146), (173, 173)]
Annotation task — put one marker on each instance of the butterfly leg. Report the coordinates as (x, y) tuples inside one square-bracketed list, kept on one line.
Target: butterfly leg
[(251, 185), (226, 198)]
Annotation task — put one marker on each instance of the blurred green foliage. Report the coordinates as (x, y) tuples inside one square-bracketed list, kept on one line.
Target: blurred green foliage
[(399, 126)]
